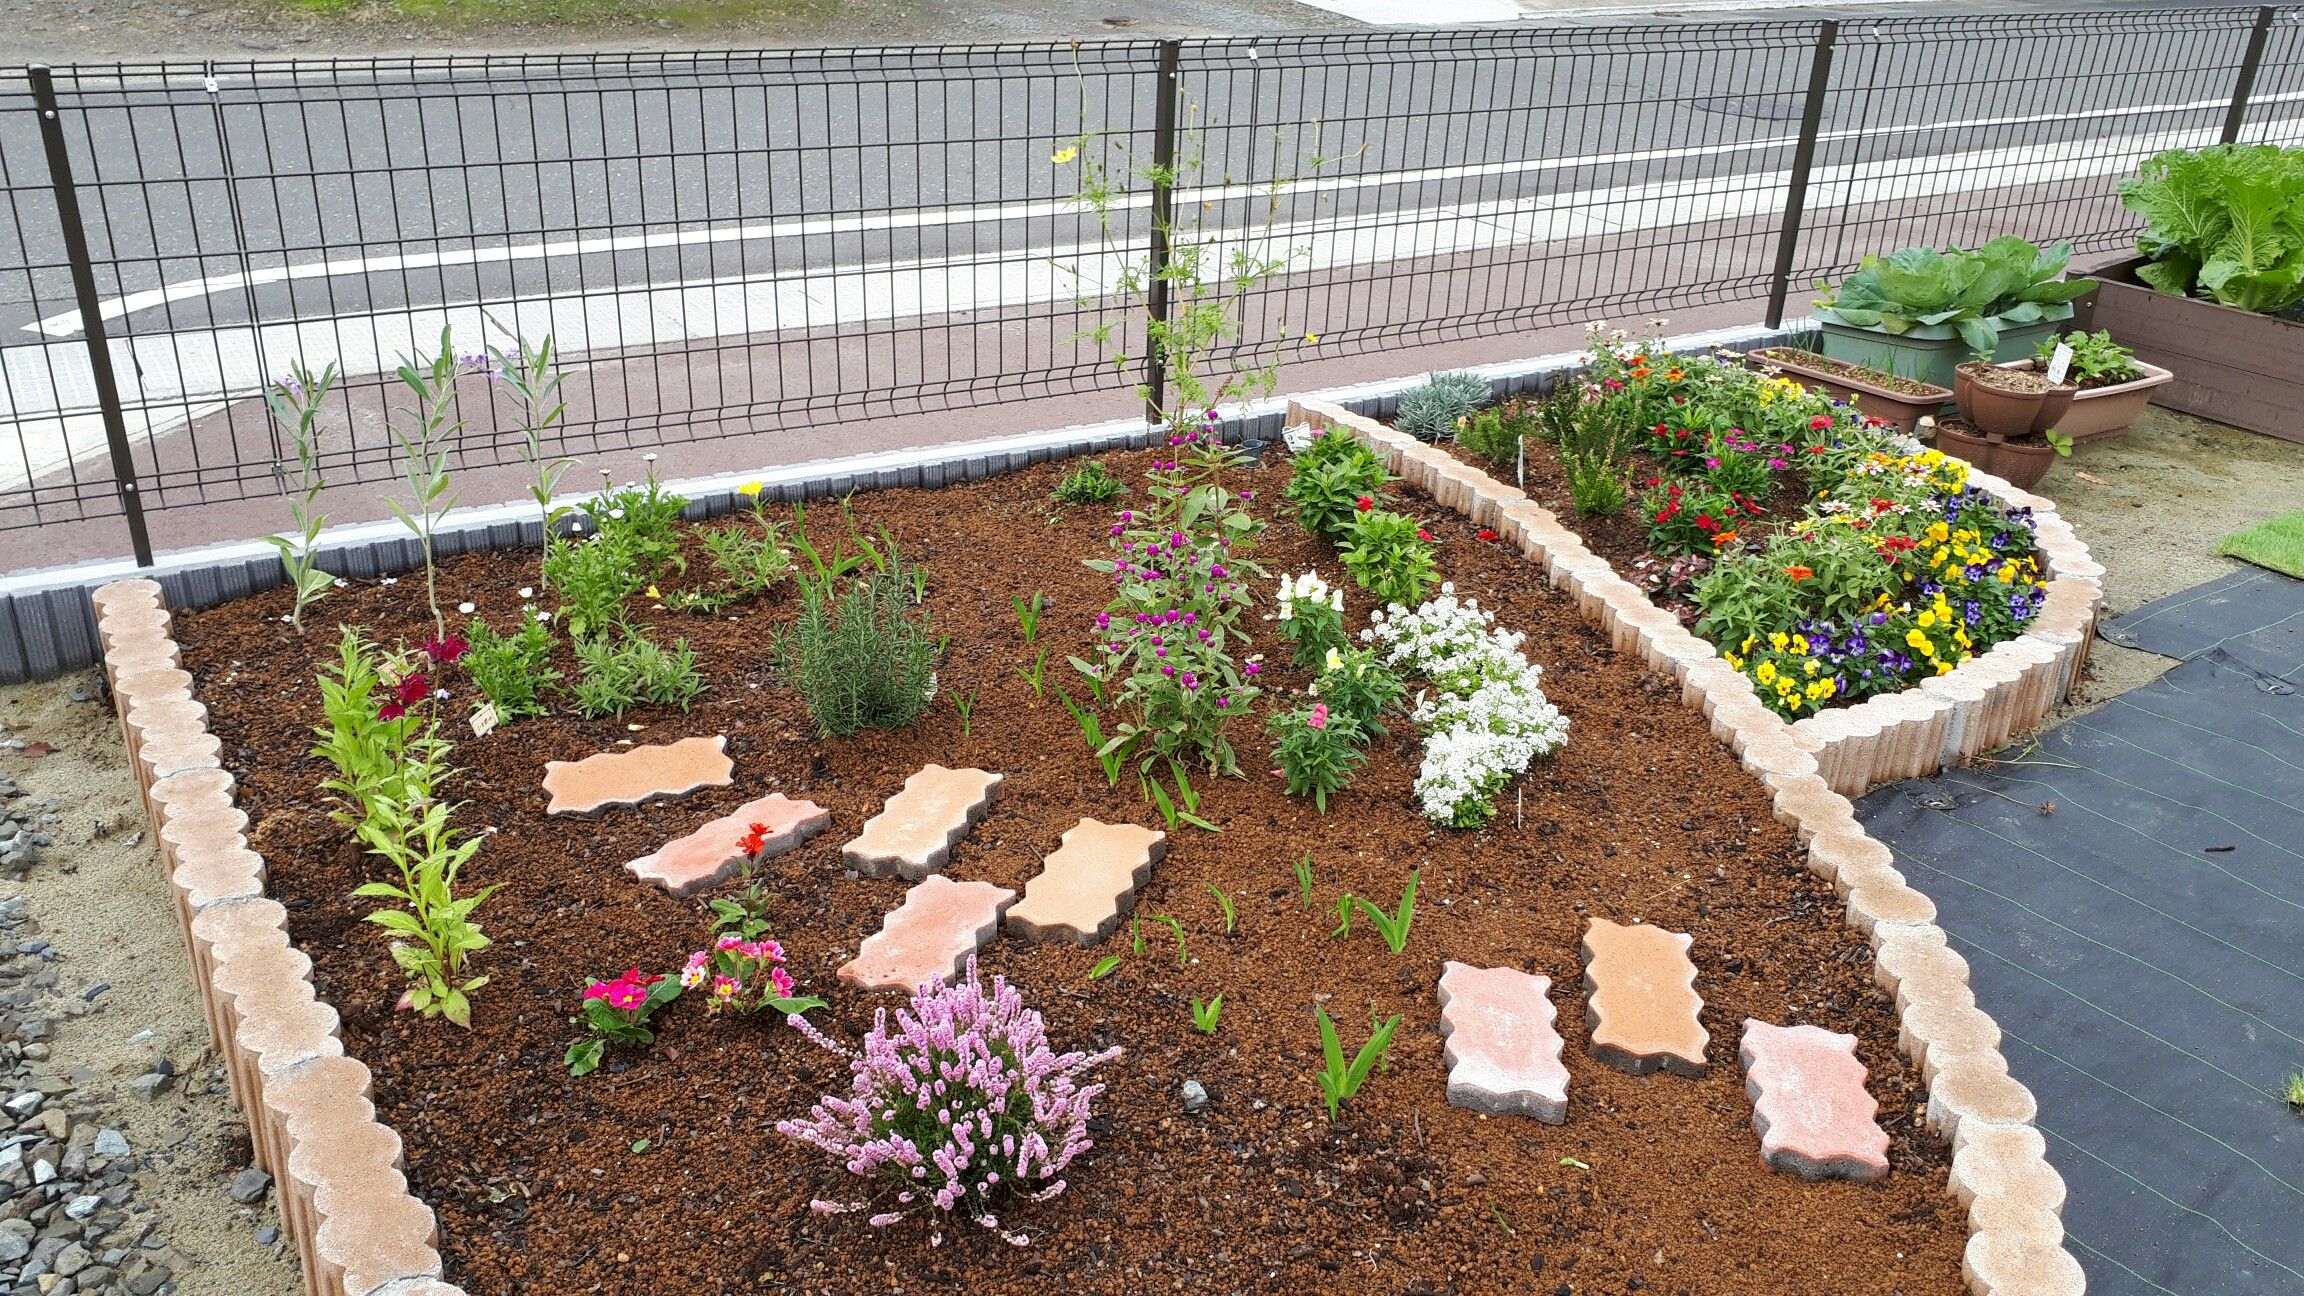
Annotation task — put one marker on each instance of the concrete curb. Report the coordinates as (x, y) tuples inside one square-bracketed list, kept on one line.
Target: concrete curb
[(344, 1203), (2000, 1171)]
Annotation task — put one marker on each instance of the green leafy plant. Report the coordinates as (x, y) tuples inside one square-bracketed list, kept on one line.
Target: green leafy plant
[(749, 561), (1105, 967), (1433, 411), (1393, 927), (2097, 360), (1031, 675), (965, 705), (296, 403), (638, 521), (1496, 434), (1340, 1082), (1205, 1015), (436, 936), (1328, 480), (1092, 731), (1310, 613), (2225, 221), (531, 372), (1597, 485), (2292, 1093), (617, 1012), (2004, 284), (592, 575), (1091, 483), (374, 734), (615, 673), (1303, 871), (426, 441), (1357, 686), (511, 671), (1390, 555), (1316, 751), (1028, 617), (1171, 812), (861, 658), (1176, 928), (1224, 904)]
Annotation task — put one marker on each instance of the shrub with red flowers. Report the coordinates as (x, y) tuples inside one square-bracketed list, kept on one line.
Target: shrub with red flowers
[(617, 1012), (956, 1102), (1689, 517)]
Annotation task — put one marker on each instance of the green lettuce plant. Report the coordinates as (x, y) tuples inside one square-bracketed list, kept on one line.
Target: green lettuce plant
[(2226, 222), (2007, 283)]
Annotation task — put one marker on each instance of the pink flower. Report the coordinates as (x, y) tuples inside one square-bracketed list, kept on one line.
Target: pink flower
[(1319, 719), (728, 941), (782, 980)]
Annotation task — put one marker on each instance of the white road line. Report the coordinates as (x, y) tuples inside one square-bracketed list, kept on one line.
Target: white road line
[(67, 323)]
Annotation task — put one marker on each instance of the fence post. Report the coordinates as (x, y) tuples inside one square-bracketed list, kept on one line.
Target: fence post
[(1163, 219), (1803, 161), (2246, 84), (91, 323)]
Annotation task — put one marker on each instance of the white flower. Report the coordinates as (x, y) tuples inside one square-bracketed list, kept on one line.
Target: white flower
[(389, 580), (616, 514), (465, 608), (527, 591), (1486, 718)]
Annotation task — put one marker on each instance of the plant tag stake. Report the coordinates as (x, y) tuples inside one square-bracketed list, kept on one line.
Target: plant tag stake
[(484, 720), (2060, 363)]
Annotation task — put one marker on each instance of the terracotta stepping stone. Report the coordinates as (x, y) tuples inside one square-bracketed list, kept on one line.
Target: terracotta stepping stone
[(708, 855), (1815, 1117), (930, 936), (1642, 991), (914, 834), (1088, 883), (1503, 1050), (637, 774)]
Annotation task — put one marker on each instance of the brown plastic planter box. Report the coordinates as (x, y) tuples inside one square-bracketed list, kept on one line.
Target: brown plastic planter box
[(2100, 412), (2233, 366), (1901, 410)]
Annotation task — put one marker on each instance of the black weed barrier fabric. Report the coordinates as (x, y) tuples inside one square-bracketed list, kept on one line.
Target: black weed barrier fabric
[(2129, 893)]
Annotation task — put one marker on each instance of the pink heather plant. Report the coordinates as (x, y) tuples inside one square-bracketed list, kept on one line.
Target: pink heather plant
[(962, 1097)]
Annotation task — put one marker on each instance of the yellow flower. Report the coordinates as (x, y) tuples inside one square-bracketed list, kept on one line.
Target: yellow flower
[(1746, 646), (1766, 673), (1938, 532), (1334, 662), (1800, 645), (1918, 640), (1311, 339), (2008, 573), (1943, 668), (651, 592), (1778, 640), (749, 489), (1064, 155), (1811, 666), (1927, 619), (1735, 663)]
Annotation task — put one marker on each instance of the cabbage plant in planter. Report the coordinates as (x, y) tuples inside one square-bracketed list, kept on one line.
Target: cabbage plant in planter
[(2225, 222), (1915, 312)]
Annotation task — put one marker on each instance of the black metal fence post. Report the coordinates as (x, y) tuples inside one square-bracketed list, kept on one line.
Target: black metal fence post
[(2245, 85), (1803, 161), (1163, 219), (91, 322)]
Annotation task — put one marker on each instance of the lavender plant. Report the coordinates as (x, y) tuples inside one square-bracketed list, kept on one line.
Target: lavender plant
[(961, 1098)]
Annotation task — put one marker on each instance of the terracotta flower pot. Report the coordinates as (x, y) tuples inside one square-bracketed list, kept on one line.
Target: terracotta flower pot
[(1963, 443), (1997, 409), (2022, 463), (1962, 379), (2056, 404), (2105, 411), (1898, 403)]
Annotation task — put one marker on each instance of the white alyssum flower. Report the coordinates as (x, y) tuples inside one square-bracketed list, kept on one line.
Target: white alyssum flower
[(1486, 717)]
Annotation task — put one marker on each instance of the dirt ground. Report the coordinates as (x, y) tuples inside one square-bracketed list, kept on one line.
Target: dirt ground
[(2152, 504)]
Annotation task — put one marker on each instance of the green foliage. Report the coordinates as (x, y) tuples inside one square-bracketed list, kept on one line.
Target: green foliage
[(531, 372), (750, 563), (1316, 751), (512, 670), (1310, 613), (425, 444), (1303, 871), (1092, 730), (1224, 906), (964, 705), (1028, 618), (296, 403), (859, 657), (2292, 1093), (1393, 927), (1339, 1081), (2097, 360), (1597, 485), (1390, 555), (1184, 807), (1496, 434), (1105, 967), (616, 672), (1433, 411), (1359, 687), (373, 743), (637, 521), (1327, 482), (1176, 928), (2225, 221), (1205, 1015), (1091, 483), (434, 931), (1742, 599), (613, 1026), (2004, 284), (593, 576)]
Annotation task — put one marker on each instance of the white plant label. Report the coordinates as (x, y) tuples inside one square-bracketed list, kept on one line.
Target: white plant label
[(484, 720), (2060, 363)]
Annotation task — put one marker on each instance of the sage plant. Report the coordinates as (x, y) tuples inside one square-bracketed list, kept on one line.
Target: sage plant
[(959, 1099), (296, 401)]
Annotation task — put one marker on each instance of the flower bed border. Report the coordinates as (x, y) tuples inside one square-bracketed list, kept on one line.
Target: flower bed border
[(2000, 1171)]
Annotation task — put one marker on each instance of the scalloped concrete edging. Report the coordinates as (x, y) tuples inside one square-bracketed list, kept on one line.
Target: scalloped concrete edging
[(344, 1203), (2000, 1170)]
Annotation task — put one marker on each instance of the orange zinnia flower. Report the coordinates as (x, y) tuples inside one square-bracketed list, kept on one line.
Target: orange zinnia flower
[(1799, 572), (1724, 537)]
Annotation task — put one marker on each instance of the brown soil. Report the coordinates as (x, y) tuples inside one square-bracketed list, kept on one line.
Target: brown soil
[(2021, 381), (1654, 1184), (1853, 372)]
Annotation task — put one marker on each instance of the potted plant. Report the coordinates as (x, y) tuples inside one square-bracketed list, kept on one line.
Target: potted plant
[(2217, 292), (2005, 423), (1913, 312), (2110, 386), (1897, 402)]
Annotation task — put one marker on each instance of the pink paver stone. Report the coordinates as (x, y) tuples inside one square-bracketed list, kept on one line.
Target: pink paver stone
[(708, 855), (914, 834), (1815, 1117), (1088, 883), (638, 774), (1503, 1050), (1644, 1007), (930, 936)]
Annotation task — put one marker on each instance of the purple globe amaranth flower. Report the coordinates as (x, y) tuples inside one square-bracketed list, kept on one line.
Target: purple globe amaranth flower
[(961, 1096)]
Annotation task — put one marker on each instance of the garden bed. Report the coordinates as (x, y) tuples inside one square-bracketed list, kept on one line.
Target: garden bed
[(662, 1173)]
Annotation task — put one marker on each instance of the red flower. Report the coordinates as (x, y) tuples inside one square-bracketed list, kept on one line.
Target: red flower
[(412, 690), (391, 711), (1704, 522), (1424, 535), (446, 651), (1820, 422), (1487, 534), (1364, 503), (751, 842)]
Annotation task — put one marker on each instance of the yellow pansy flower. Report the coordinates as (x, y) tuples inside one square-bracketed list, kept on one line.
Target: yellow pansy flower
[(1778, 640), (1927, 619), (2008, 574), (1766, 673)]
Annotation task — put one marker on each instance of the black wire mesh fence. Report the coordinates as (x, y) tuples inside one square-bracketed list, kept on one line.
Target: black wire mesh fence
[(730, 243)]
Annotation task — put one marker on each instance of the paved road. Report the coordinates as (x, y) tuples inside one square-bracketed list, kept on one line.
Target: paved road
[(716, 208)]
